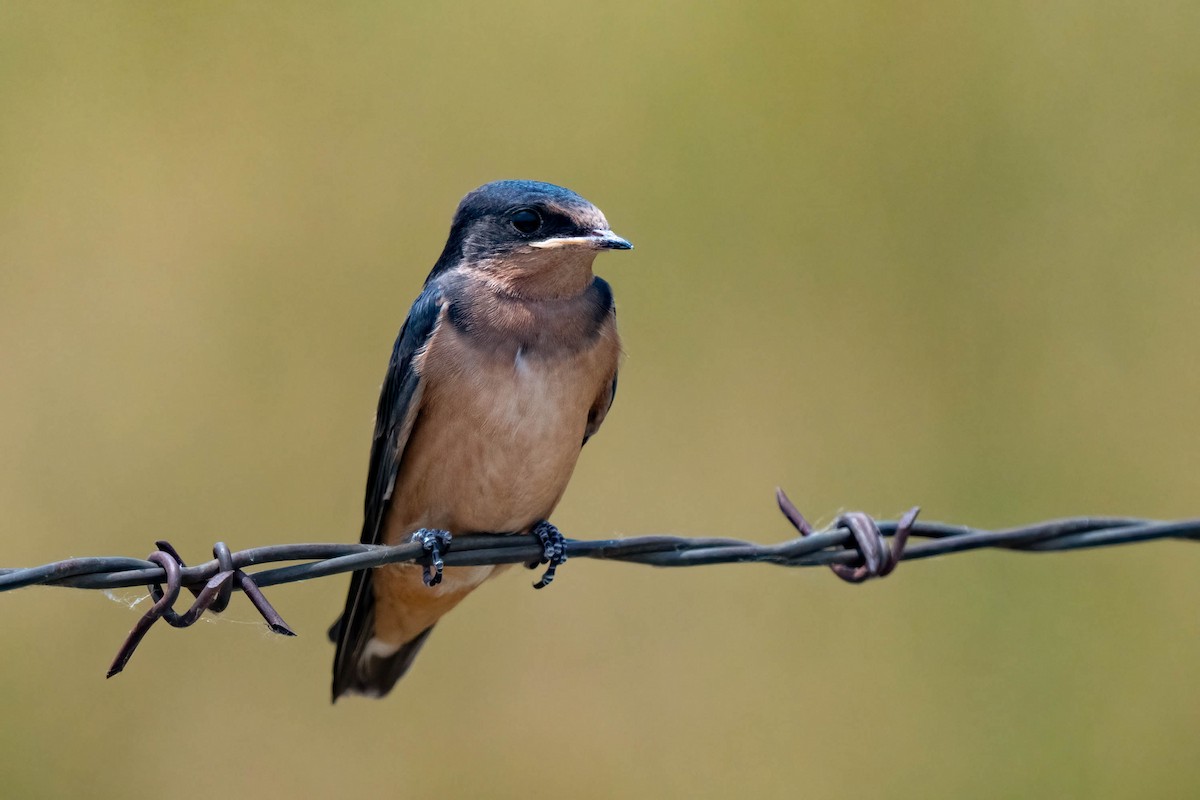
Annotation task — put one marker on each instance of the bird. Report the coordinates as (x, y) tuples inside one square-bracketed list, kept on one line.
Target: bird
[(503, 370)]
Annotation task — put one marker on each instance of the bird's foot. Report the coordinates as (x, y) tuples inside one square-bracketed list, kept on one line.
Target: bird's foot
[(434, 541), (554, 551)]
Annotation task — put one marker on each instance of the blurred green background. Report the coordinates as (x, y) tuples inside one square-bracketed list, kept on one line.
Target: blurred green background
[(887, 254)]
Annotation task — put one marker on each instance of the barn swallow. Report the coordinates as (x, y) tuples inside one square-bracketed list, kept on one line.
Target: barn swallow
[(505, 367)]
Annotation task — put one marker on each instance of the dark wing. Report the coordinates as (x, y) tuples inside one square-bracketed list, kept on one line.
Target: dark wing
[(599, 409), (399, 401), (606, 311)]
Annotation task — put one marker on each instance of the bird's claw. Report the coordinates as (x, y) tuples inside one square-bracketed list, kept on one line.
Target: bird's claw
[(434, 541), (554, 551)]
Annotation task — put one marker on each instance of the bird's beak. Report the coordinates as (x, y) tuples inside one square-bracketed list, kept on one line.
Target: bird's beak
[(607, 240), (599, 239)]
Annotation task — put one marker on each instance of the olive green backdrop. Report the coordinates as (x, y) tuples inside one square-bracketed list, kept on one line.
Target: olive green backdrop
[(887, 254)]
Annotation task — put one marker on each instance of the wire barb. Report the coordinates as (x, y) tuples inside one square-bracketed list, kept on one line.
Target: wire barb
[(214, 596), (877, 558), (856, 547)]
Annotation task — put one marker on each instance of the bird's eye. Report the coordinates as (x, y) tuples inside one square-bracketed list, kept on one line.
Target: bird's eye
[(526, 220)]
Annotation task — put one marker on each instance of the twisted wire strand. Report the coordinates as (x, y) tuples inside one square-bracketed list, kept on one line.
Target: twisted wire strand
[(819, 549), (855, 546)]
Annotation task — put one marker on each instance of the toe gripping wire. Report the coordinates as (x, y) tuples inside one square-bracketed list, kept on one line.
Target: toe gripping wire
[(876, 557), (214, 596)]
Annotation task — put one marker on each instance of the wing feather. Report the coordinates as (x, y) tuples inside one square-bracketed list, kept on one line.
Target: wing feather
[(399, 405)]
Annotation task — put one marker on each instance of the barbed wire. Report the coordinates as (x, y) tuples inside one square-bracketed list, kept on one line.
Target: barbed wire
[(855, 546)]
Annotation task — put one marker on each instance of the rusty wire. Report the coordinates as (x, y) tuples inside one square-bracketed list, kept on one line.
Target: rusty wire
[(855, 547)]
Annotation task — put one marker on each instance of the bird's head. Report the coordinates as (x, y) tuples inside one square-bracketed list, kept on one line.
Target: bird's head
[(530, 238)]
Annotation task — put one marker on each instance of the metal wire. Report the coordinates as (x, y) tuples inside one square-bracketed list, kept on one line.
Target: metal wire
[(856, 547)]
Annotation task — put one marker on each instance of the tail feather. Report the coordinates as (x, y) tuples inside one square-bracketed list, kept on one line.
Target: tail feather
[(363, 664), (379, 667)]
